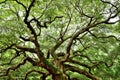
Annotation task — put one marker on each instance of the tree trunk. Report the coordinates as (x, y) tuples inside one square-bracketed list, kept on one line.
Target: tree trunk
[(59, 77)]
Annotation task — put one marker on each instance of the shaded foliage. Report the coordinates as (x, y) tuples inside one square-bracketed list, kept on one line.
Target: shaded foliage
[(59, 40)]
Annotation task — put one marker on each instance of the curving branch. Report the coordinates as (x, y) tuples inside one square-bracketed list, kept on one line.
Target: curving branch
[(84, 56), (80, 63), (14, 57), (26, 19), (16, 67), (22, 48), (21, 4), (108, 2), (79, 9), (44, 25), (44, 75), (74, 37), (62, 34), (80, 71), (110, 36), (31, 39), (57, 45), (84, 30), (102, 62), (7, 48), (27, 10)]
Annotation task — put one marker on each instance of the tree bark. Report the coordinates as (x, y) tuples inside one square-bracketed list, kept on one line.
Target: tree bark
[(59, 77)]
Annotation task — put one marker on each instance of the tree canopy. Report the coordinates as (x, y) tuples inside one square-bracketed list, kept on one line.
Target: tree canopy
[(59, 39)]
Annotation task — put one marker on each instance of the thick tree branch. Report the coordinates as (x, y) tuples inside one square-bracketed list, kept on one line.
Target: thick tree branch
[(72, 39), (44, 75), (14, 57), (7, 48), (108, 2), (21, 4), (80, 63), (28, 39), (70, 18), (29, 26), (18, 66), (82, 31), (80, 71), (26, 19), (59, 43), (22, 48), (44, 25)]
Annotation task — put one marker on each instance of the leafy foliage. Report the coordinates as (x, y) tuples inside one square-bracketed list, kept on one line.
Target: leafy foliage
[(59, 39)]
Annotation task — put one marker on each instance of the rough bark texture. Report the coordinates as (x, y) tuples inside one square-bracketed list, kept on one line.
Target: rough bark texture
[(59, 77)]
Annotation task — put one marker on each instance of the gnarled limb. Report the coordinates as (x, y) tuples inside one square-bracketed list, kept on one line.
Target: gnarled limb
[(75, 69)]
